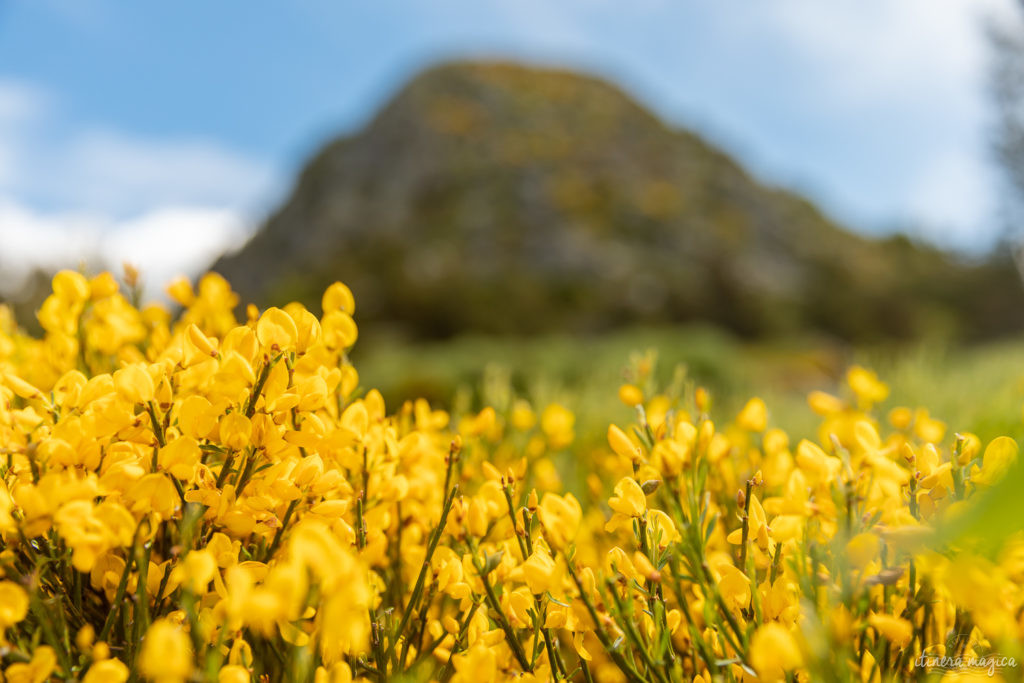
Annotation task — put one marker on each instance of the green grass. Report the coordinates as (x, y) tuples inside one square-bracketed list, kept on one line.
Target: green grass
[(979, 389)]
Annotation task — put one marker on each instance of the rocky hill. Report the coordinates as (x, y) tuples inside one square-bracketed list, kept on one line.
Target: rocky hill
[(501, 198)]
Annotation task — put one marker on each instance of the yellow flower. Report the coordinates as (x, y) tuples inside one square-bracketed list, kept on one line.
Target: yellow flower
[(180, 289), (581, 650), (631, 395), (85, 637), (313, 509), (154, 493), (107, 671), (255, 606), (70, 287), (13, 604), (557, 423), (345, 628), (233, 673), (339, 330), (644, 567), (866, 385), (541, 573), (825, 404), (663, 529), (338, 297), (202, 344), (276, 330), (476, 518), (44, 661), (999, 457), (622, 445), (180, 457), (898, 631), (901, 417), (862, 549), (754, 416), (757, 528), (339, 673), (478, 664), (91, 530), (134, 384), (196, 417), (561, 518), (774, 652), (166, 653), (629, 498), (928, 428), (616, 561), (235, 430), (982, 587), (523, 417), (102, 286), (196, 571), (519, 603), (818, 466), (481, 424), (734, 586), (21, 387), (309, 330)]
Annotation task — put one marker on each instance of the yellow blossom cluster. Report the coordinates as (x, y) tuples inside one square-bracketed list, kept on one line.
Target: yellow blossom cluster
[(192, 497)]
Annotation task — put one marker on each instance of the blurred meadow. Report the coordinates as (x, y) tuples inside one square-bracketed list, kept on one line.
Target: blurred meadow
[(505, 196), (977, 389)]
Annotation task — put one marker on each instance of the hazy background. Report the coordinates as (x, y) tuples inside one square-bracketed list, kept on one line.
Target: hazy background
[(168, 134), (162, 133)]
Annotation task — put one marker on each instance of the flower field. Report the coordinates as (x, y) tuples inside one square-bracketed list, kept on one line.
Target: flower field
[(198, 498)]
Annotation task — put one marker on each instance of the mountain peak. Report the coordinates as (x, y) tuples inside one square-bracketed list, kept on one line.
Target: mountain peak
[(501, 198)]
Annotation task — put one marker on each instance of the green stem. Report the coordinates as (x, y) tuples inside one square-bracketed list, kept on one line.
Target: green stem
[(122, 586), (225, 469), (460, 642), (46, 623), (495, 604), (507, 489), (742, 566), (417, 590), (140, 617), (634, 635), (280, 532), (250, 407), (158, 429), (620, 661)]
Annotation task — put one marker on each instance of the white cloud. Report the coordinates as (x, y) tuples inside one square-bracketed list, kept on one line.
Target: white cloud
[(20, 103), (29, 238), (113, 172), (122, 174), (546, 25), (893, 99), (949, 195), (99, 169), (875, 50), (163, 243), (198, 236), (100, 197)]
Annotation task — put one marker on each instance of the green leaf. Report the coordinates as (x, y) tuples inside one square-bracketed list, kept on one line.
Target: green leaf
[(492, 562), (992, 514)]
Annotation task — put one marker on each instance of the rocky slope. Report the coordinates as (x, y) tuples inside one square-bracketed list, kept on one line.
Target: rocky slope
[(500, 198)]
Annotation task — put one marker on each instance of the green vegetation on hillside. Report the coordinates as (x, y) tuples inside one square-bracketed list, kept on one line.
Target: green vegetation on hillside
[(505, 199), (982, 391)]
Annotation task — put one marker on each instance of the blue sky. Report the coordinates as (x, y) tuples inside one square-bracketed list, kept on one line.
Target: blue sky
[(161, 132)]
